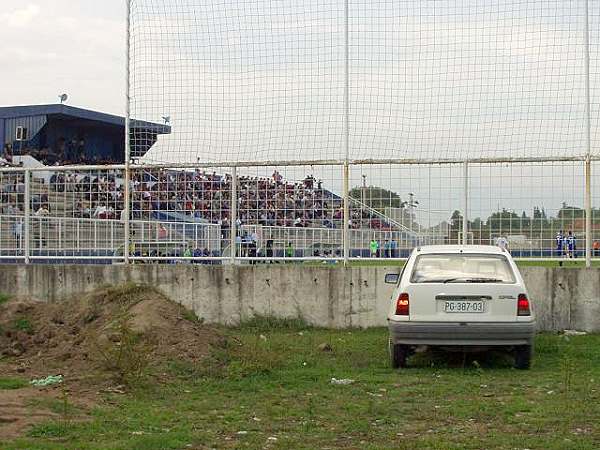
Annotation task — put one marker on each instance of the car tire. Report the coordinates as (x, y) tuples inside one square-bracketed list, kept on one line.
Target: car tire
[(523, 355), (398, 355)]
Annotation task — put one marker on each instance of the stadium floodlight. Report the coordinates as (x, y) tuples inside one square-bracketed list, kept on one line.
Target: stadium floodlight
[(63, 98), (167, 119)]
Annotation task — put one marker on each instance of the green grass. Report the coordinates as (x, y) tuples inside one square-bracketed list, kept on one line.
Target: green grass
[(569, 264), (4, 298), (272, 381), (23, 324), (12, 383)]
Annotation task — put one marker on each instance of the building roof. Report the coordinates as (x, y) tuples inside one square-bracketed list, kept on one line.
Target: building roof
[(11, 112)]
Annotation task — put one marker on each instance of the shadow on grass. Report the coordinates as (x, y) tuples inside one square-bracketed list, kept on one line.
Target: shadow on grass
[(479, 360)]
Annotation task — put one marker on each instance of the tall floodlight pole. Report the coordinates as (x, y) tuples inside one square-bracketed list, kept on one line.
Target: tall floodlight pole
[(346, 132), (588, 141), (127, 194)]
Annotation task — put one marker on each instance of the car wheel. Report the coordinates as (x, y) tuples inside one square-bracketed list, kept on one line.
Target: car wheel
[(523, 357), (398, 355)]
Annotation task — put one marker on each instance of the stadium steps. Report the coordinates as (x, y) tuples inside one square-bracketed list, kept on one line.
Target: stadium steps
[(62, 204)]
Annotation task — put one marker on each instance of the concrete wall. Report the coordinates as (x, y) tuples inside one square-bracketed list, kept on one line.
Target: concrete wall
[(323, 296)]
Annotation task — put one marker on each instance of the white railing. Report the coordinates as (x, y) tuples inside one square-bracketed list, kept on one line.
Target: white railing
[(78, 238)]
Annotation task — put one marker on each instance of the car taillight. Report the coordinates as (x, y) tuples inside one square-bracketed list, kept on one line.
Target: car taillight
[(523, 307), (402, 305)]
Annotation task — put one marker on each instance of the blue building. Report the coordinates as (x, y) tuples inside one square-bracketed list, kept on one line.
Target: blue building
[(64, 134)]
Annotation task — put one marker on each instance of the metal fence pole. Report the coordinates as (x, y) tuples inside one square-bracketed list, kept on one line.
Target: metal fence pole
[(347, 80), (346, 236), (465, 233), (588, 160), (127, 193), (233, 219), (588, 212), (27, 230)]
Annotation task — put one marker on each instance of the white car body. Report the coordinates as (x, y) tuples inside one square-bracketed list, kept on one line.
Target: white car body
[(465, 296)]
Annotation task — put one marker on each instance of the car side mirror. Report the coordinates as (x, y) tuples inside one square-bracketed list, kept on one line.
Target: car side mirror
[(392, 278)]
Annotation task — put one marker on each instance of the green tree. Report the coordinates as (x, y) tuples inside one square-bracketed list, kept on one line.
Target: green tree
[(504, 221), (377, 197), (570, 212)]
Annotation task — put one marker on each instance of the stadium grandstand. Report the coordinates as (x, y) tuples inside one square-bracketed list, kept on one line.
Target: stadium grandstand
[(61, 135), (80, 212)]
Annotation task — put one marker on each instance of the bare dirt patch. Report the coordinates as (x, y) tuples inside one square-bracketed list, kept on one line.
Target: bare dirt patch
[(96, 342)]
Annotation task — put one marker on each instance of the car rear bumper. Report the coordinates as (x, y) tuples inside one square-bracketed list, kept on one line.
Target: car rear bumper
[(461, 333)]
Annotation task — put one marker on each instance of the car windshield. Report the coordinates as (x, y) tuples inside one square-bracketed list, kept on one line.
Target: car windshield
[(462, 268)]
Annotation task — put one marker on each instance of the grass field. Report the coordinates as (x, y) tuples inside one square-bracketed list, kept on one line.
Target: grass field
[(567, 264), (271, 388)]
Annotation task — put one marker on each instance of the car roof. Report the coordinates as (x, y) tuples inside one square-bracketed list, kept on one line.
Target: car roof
[(433, 249)]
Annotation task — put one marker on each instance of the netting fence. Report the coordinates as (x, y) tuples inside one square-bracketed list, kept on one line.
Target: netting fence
[(334, 130)]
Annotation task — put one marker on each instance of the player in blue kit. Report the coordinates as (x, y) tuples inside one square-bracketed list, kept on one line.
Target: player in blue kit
[(571, 245), (560, 240)]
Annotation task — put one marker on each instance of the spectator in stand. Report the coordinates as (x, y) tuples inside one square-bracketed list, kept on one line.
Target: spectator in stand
[(394, 248), (8, 153), (386, 249), (17, 231), (43, 211), (596, 248), (289, 251), (374, 247)]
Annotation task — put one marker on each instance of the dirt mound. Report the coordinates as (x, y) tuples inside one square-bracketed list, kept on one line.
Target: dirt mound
[(97, 342), (84, 335)]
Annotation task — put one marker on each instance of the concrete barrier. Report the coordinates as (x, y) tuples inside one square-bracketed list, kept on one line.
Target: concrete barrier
[(323, 296)]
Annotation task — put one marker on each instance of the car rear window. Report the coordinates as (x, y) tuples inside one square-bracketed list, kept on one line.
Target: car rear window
[(462, 268)]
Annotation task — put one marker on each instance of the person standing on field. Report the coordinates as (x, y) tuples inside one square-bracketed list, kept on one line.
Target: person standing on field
[(502, 242), (571, 244), (560, 240), (374, 246)]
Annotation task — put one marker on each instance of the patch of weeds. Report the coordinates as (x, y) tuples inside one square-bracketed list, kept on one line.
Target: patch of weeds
[(269, 323), (477, 366), (186, 370), (4, 298), (126, 294), (236, 359), (191, 316), (61, 406), (125, 354), (49, 430), (23, 324), (12, 383), (568, 368)]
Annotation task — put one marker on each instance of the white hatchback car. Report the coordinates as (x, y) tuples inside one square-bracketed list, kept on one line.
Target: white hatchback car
[(460, 297)]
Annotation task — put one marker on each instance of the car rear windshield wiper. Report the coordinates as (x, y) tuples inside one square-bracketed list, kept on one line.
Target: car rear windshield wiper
[(484, 280), (464, 280), (442, 280)]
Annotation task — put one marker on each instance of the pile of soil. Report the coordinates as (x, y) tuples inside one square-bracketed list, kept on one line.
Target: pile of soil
[(73, 338), (79, 338)]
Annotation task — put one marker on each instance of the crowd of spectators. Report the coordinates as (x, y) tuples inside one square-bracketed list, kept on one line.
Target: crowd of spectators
[(98, 195), (207, 197), (66, 153), (268, 201), (12, 194)]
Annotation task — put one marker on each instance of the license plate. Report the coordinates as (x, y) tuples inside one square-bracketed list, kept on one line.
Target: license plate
[(464, 307)]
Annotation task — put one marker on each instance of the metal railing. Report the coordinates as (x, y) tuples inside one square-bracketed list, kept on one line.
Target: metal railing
[(85, 218)]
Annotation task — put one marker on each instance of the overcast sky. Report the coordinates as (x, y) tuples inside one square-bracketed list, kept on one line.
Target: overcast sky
[(51, 47)]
